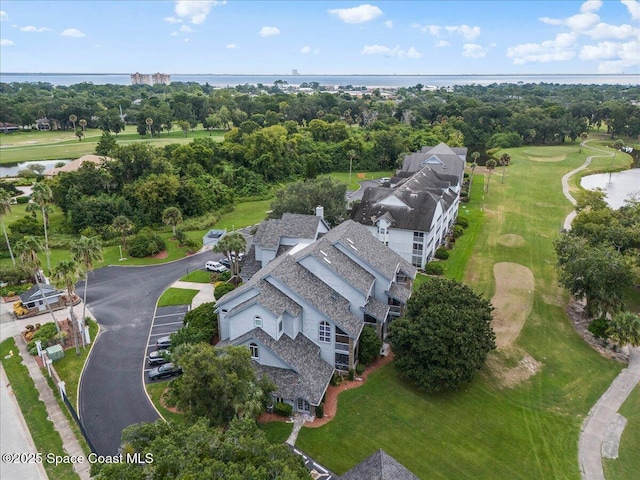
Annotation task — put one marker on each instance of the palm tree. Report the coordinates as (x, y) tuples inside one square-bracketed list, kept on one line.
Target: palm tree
[(41, 195), (73, 119), (28, 248), (123, 226), (505, 159), (86, 251), (82, 123), (65, 274), (491, 164), (351, 155), (5, 208), (232, 245), (149, 122), (172, 216), (624, 328)]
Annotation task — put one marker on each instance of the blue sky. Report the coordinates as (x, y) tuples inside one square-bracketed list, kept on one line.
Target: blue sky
[(426, 37)]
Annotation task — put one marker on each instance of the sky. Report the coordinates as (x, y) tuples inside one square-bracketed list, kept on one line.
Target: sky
[(428, 37)]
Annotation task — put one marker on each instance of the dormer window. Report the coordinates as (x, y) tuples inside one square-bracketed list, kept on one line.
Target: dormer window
[(257, 321), (255, 350)]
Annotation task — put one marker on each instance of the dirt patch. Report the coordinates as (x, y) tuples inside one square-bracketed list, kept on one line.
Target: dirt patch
[(512, 301), (511, 240), (162, 254), (511, 367), (557, 158)]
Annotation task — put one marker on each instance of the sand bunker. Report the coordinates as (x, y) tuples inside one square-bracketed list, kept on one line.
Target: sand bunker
[(514, 368), (512, 301), (557, 158), (511, 240)]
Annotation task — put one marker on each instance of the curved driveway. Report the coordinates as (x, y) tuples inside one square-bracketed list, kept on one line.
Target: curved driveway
[(123, 300)]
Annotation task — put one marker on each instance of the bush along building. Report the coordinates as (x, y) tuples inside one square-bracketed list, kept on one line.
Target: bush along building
[(414, 212), (301, 315)]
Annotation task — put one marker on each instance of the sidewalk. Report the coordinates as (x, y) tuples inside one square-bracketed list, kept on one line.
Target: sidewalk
[(205, 294), (20, 438), (601, 430)]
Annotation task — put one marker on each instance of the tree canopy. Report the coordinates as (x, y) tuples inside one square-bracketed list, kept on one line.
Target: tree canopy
[(189, 451), (444, 336)]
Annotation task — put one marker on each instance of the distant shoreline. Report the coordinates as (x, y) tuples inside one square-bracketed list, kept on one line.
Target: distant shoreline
[(342, 74)]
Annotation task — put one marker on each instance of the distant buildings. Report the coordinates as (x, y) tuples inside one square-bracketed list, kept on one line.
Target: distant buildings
[(154, 79)]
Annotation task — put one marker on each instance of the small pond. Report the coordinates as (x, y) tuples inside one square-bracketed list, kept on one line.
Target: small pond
[(12, 169), (617, 185)]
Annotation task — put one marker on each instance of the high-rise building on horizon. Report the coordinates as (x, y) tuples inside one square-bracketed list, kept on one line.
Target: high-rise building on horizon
[(146, 79)]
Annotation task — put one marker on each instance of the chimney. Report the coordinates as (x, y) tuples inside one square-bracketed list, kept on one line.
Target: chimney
[(320, 211)]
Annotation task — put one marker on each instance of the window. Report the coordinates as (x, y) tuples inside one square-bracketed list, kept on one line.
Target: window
[(224, 310), (324, 334), (416, 261), (257, 321), (255, 351)]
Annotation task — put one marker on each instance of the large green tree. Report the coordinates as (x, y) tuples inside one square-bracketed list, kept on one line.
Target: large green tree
[(86, 251), (218, 383), (197, 450), (624, 328), (232, 245), (172, 216), (444, 336), (65, 274), (305, 196), (200, 325)]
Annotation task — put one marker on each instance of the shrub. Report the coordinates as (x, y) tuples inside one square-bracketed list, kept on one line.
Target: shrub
[(145, 243), (598, 327), (462, 221), (360, 369), (223, 289), (442, 253), (370, 345), (283, 409), (320, 411), (46, 333), (433, 268), (26, 225), (15, 276), (22, 199), (457, 231), (464, 194), (224, 276), (352, 374), (336, 379)]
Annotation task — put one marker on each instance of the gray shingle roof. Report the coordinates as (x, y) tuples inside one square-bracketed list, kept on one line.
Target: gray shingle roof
[(399, 292), (376, 309), (293, 225), (309, 374), (270, 298), (453, 160), (379, 466), (34, 293)]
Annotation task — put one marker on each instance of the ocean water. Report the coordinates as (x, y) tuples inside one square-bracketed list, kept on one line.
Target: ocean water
[(64, 79)]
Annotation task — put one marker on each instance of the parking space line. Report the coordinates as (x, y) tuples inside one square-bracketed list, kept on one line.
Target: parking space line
[(170, 323), (170, 315)]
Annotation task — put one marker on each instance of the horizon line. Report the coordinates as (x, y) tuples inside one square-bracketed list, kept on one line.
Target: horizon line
[(337, 74)]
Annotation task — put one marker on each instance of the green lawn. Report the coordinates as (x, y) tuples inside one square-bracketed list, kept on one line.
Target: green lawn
[(155, 392), (487, 430), (625, 467), (277, 432), (70, 366), (197, 276), (176, 296), (60, 145), (46, 438), (358, 177)]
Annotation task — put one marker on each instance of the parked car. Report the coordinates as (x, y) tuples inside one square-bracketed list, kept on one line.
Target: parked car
[(164, 371), (158, 357), (163, 343), (384, 180), (215, 266), (225, 261)]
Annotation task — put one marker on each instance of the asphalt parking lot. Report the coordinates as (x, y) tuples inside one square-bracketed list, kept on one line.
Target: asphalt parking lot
[(166, 321)]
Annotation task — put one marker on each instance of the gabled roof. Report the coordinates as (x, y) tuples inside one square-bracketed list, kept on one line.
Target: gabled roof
[(379, 466), (309, 374), (34, 294), (443, 159), (293, 225)]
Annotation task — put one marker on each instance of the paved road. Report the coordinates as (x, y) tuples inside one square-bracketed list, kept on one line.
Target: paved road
[(357, 195), (123, 301)]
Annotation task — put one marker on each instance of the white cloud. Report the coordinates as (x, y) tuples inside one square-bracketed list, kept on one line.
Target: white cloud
[(31, 28), (550, 21), (185, 29), (5, 42), (473, 50), (361, 14), (628, 58), (72, 32), (604, 30), (174, 33), (604, 50), (442, 43), (232, 46), (390, 52), (634, 8), (467, 32), (306, 49), (560, 49), (388, 24), (172, 20), (582, 22), (195, 11), (591, 6), (4, 16), (269, 31)]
